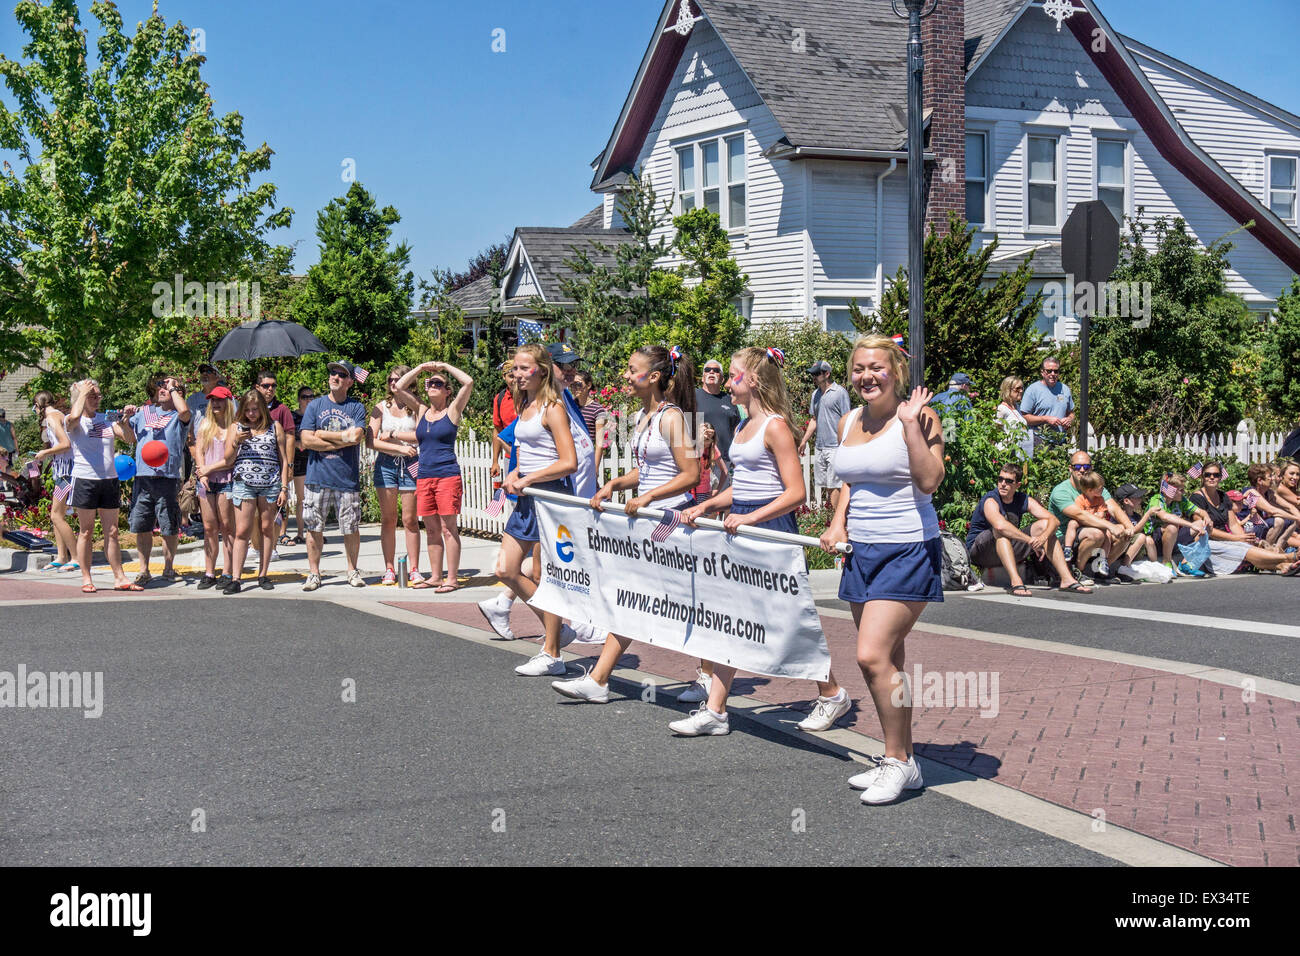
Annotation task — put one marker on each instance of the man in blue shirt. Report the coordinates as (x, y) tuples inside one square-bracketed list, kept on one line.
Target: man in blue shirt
[(156, 489), (333, 428), (1048, 406), (957, 396)]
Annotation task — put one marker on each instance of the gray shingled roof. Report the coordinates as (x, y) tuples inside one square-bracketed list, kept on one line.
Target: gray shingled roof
[(985, 21), (848, 90), (476, 295), (592, 220), (1047, 262), (548, 248)]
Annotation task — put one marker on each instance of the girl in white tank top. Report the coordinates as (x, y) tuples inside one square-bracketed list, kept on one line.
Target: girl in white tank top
[(766, 487), (665, 467), (890, 459)]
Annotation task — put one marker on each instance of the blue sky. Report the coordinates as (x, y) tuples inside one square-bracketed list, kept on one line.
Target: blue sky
[(468, 143)]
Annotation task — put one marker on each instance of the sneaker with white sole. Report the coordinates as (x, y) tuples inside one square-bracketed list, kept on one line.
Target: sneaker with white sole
[(313, 582), (893, 777), (701, 723), (582, 688), (498, 618), (355, 579), (825, 712), (862, 781), (542, 665), (588, 634), (698, 692)]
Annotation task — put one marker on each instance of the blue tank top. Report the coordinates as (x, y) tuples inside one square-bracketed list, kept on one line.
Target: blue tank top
[(437, 448)]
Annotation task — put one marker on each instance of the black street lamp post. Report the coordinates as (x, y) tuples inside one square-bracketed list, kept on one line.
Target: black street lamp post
[(916, 10)]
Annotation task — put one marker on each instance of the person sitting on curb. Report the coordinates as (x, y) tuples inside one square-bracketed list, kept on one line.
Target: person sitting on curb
[(1095, 533), (994, 537), (1174, 522), (1231, 548), (1272, 521)]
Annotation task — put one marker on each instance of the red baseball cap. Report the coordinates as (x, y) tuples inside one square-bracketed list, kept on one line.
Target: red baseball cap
[(220, 392)]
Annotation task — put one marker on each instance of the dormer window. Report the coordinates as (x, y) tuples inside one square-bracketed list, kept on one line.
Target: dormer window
[(711, 173)]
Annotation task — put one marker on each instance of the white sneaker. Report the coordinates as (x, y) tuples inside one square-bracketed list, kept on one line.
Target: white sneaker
[(701, 723), (582, 688), (1103, 567), (498, 618), (588, 634), (275, 555), (862, 781), (698, 692), (825, 712), (542, 665), (893, 777)]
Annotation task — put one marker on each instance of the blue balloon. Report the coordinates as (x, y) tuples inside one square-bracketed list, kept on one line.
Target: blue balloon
[(125, 466)]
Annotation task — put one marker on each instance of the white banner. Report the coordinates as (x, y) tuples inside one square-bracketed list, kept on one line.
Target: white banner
[(729, 599)]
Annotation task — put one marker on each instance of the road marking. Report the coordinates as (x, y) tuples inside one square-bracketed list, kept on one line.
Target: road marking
[(1215, 675), (1166, 617), (1061, 823)]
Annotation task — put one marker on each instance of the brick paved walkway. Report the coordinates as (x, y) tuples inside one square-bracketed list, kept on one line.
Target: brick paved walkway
[(1182, 760)]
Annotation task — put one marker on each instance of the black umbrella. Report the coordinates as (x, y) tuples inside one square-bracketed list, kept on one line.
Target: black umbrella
[(265, 338)]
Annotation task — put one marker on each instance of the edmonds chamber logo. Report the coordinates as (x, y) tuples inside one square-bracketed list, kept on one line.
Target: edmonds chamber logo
[(564, 545)]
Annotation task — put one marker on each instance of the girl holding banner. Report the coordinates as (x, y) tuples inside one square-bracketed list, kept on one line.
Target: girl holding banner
[(665, 468), (767, 486), (890, 459), (547, 459)]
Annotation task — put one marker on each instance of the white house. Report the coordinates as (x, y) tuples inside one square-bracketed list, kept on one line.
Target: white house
[(788, 118)]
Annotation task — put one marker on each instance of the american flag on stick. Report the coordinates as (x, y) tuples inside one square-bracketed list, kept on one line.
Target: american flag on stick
[(496, 504), (1195, 471), (360, 375), (153, 420), (1166, 488), (670, 522), (62, 490), (413, 469)]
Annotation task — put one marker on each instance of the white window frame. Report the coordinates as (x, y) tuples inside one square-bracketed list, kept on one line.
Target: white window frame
[(1060, 135), (984, 130), (725, 182), (1121, 140), (1294, 191), (826, 306)]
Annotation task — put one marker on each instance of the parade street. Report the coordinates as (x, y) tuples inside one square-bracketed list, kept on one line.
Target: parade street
[(383, 725)]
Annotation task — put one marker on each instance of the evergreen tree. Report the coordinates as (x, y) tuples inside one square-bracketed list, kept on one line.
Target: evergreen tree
[(1282, 343), (988, 333)]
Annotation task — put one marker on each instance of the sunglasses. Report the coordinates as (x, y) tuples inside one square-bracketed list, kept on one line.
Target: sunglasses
[(339, 375), (1082, 467), (1008, 481), (435, 383), (1212, 474), (306, 396), (716, 371), (266, 384)]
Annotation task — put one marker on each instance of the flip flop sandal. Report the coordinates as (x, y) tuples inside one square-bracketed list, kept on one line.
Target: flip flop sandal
[(446, 588), (143, 578), (1077, 588), (128, 587), (88, 589), (171, 576), (422, 586), (1018, 589)]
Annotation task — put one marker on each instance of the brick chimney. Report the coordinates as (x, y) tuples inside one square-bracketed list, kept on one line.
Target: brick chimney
[(943, 38)]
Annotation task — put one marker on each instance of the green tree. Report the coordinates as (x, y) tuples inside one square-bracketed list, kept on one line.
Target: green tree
[(357, 298), (988, 333), (125, 178), (1181, 371), (1281, 374), (701, 289)]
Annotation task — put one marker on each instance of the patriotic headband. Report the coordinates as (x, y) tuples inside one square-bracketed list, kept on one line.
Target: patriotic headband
[(674, 356), (777, 356)]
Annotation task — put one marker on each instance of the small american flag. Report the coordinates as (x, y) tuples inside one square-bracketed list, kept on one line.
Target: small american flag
[(153, 420), (530, 331), (360, 375), (62, 490), (670, 522), (1250, 498), (413, 469), (496, 504), (98, 429), (1166, 488), (1195, 471)]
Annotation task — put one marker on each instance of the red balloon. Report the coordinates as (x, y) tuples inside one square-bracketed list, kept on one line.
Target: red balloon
[(154, 453)]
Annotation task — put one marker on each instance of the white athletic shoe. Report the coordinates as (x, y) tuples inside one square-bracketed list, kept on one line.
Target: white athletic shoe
[(588, 634), (825, 712), (701, 723), (498, 618), (698, 692), (582, 688), (893, 777), (542, 665), (862, 781)]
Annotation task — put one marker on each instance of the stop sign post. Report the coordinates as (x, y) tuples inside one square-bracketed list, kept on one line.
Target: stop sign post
[(1089, 254)]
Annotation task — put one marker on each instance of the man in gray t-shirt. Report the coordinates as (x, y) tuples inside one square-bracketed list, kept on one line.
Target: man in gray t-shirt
[(830, 403)]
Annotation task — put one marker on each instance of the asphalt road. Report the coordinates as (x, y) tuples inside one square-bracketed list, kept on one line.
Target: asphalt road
[(445, 757)]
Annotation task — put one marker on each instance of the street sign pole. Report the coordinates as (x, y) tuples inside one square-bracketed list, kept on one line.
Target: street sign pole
[(1089, 253)]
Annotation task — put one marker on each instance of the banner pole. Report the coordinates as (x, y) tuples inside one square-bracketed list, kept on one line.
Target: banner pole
[(763, 534)]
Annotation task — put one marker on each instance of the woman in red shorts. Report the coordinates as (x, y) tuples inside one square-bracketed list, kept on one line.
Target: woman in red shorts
[(438, 486)]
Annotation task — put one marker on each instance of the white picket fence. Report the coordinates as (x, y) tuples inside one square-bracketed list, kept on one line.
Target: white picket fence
[(1243, 442)]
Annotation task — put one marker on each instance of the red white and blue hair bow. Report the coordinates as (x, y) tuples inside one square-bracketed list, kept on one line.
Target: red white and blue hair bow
[(777, 356)]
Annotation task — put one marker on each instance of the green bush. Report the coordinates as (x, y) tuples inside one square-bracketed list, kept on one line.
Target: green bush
[(812, 522)]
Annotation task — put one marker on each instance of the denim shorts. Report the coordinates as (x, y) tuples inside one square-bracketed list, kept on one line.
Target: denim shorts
[(238, 492), (390, 472)]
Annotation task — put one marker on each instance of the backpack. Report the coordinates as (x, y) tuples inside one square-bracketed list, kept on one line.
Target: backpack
[(957, 573)]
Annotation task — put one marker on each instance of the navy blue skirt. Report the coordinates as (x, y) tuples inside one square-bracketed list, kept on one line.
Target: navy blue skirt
[(522, 523), (785, 522), (908, 571)]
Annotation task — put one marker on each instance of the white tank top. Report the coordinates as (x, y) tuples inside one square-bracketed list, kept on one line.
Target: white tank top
[(754, 475), (536, 444), (653, 457), (61, 464), (92, 455), (885, 506), (391, 423)]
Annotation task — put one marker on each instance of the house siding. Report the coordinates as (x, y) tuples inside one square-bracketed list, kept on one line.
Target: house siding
[(1039, 79), (710, 94)]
